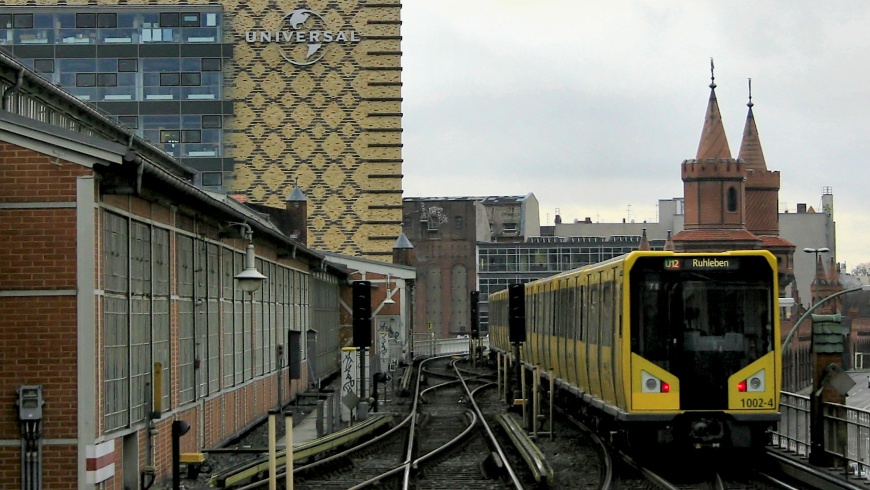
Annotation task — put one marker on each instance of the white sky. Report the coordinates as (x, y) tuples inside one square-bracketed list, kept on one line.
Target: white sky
[(592, 106)]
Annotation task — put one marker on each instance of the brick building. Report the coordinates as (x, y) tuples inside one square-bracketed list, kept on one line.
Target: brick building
[(118, 272)]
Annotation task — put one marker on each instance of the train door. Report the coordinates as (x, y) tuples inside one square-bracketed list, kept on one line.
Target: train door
[(567, 359), (580, 335), (532, 324), (592, 341), (605, 344), (618, 331), (548, 347)]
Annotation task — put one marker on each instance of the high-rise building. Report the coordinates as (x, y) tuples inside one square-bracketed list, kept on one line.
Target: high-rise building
[(258, 97)]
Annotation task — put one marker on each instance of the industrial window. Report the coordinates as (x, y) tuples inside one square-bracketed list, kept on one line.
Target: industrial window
[(86, 79), (5, 21), (186, 340), (211, 122), (190, 20), (211, 64), (107, 79), (169, 19), (170, 79), (22, 21), (107, 20), (192, 79), (86, 21), (44, 65), (128, 65)]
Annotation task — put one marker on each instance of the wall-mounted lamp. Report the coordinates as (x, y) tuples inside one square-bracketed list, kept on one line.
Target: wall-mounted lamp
[(249, 279), (389, 300)]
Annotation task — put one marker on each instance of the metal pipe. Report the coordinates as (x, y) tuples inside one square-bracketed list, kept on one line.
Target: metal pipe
[(288, 451), (273, 467), (19, 79)]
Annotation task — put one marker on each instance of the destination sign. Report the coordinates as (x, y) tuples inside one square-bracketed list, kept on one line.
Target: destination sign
[(702, 263)]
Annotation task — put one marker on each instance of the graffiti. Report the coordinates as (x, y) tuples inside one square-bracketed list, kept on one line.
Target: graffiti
[(349, 379)]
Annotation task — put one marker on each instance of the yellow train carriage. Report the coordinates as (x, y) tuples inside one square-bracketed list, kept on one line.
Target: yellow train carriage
[(681, 347)]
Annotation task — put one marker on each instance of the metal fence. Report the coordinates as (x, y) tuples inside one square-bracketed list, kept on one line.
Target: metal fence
[(424, 344), (847, 432)]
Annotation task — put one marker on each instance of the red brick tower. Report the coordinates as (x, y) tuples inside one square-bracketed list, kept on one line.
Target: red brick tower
[(714, 192)]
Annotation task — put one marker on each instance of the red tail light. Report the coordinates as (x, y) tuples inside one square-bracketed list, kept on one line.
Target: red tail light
[(666, 388), (741, 386)]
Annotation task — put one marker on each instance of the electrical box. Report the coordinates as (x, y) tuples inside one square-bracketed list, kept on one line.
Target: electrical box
[(30, 402)]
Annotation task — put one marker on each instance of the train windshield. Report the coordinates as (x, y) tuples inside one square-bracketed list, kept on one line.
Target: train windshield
[(689, 318)]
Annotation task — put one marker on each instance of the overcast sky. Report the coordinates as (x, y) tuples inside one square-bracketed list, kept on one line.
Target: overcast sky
[(592, 106)]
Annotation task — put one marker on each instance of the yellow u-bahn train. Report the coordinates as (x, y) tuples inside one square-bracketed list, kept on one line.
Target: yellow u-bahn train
[(661, 347)]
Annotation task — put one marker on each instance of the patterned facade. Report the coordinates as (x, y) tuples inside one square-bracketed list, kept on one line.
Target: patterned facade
[(333, 127)]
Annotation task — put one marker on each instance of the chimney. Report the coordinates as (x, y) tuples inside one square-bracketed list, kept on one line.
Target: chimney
[(403, 251), (802, 207)]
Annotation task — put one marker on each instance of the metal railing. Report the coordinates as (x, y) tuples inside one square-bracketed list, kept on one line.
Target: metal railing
[(426, 345), (847, 432)]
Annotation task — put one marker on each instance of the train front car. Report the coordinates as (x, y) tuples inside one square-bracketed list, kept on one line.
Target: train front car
[(705, 353)]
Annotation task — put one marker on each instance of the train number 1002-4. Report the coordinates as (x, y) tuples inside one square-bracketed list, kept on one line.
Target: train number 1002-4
[(757, 403)]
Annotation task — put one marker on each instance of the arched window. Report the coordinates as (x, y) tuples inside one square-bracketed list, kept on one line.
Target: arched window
[(732, 200)]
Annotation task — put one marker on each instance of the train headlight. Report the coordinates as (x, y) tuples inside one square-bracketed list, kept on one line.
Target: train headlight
[(652, 384), (752, 384)]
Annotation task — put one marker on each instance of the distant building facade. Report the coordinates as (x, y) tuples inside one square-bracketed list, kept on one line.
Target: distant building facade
[(258, 97)]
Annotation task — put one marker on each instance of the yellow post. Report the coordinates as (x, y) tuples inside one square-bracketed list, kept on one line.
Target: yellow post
[(288, 454), (273, 473)]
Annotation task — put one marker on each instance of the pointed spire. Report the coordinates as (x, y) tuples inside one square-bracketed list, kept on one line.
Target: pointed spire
[(714, 144), (750, 147), (644, 243)]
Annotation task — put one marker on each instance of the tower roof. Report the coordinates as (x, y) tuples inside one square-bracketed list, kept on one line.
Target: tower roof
[(714, 144), (750, 147)]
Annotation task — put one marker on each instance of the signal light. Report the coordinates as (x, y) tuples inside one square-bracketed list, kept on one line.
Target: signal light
[(475, 315), (666, 388), (741, 386), (362, 313), (517, 312)]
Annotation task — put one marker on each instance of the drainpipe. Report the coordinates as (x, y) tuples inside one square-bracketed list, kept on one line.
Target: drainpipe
[(11, 90)]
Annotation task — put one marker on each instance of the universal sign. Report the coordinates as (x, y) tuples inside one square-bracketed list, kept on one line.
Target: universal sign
[(303, 37)]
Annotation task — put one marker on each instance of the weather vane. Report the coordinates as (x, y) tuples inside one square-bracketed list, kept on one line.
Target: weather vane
[(750, 104), (712, 78)]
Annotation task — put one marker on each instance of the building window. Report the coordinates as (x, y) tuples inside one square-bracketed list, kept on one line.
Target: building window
[(5, 21), (107, 20), (170, 136), (131, 122), (170, 79), (22, 21), (128, 65), (86, 21), (191, 136), (211, 64), (510, 227), (169, 19), (212, 179), (44, 65), (190, 79), (732, 200), (86, 79), (107, 79), (211, 122), (190, 20), (457, 222)]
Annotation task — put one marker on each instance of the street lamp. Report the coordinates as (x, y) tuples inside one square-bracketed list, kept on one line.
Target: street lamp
[(864, 287), (250, 279)]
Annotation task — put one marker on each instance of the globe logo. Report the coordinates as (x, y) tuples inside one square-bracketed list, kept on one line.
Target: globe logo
[(303, 37)]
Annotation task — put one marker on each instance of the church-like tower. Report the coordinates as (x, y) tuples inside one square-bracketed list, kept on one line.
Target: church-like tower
[(762, 199), (714, 191)]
